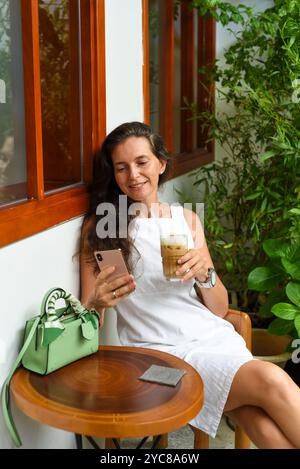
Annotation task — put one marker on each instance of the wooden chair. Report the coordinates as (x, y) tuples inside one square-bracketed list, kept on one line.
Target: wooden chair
[(242, 324)]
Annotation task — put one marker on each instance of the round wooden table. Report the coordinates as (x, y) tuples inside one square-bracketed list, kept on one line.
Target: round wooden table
[(102, 396)]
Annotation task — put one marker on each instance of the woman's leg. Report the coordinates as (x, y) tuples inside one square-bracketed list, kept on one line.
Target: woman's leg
[(260, 428), (262, 384)]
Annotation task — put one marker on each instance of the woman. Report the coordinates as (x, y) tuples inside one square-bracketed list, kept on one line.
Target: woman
[(172, 316)]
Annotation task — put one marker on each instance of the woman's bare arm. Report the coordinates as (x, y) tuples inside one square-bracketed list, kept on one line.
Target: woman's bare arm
[(216, 298)]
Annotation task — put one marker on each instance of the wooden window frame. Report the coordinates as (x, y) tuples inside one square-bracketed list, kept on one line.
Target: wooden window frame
[(190, 159), (42, 211)]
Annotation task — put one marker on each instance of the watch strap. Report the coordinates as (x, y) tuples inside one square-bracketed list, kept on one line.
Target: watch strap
[(210, 282)]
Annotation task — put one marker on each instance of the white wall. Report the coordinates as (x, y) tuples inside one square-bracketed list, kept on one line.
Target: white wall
[(124, 59), (27, 270)]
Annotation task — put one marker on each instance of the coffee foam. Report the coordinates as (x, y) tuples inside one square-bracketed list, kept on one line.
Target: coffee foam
[(173, 239)]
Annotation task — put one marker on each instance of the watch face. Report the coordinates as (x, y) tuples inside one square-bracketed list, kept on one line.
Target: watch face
[(213, 277)]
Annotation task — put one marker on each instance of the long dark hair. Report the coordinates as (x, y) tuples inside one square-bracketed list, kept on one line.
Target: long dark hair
[(104, 187)]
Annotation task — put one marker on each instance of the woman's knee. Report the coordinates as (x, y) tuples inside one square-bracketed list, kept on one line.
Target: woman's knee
[(255, 382), (273, 382)]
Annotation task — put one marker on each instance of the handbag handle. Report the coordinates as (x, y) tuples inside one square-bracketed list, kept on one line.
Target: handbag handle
[(47, 298), (54, 294)]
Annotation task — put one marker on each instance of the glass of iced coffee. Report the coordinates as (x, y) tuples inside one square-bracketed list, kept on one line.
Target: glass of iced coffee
[(172, 246)]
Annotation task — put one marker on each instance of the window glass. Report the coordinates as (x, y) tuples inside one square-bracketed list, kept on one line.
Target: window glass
[(59, 29), (177, 82), (13, 185), (158, 47), (154, 64), (180, 43)]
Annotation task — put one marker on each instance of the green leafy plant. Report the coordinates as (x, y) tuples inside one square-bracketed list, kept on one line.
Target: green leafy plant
[(226, 187), (262, 70), (224, 12), (253, 193), (278, 281)]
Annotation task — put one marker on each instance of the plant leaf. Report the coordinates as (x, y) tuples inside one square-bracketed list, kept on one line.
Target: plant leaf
[(285, 310), (293, 292), (293, 268), (280, 327), (292, 253), (297, 324), (273, 298), (253, 196), (275, 247), (267, 155), (263, 278)]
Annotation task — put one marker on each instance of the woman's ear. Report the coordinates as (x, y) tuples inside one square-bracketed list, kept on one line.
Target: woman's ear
[(163, 165)]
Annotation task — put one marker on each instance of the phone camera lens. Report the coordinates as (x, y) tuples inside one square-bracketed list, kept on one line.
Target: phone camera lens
[(99, 257)]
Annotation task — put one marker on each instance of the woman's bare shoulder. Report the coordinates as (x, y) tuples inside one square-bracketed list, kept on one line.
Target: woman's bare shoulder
[(190, 215), (192, 219)]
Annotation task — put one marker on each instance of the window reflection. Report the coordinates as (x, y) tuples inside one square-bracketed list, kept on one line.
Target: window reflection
[(12, 127), (60, 85), (154, 64)]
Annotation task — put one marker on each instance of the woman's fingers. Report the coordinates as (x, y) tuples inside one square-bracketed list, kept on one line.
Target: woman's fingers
[(188, 261), (109, 292), (103, 278), (104, 274), (188, 255), (120, 281), (125, 290), (192, 264)]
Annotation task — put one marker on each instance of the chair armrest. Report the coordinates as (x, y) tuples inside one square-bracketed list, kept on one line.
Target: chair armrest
[(242, 324)]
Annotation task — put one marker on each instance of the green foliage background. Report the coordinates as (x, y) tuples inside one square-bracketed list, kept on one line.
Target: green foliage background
[(252, 194)]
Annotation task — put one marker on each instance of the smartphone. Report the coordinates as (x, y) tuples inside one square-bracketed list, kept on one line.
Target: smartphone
[(112, 257)]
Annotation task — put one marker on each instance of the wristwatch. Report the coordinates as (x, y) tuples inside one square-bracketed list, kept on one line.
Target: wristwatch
[(210, 280)]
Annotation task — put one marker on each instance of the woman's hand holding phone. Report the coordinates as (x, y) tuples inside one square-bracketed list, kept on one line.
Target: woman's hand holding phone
[(108, 293)]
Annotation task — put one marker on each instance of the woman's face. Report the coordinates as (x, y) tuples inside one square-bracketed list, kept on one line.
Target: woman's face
[(137, 169)]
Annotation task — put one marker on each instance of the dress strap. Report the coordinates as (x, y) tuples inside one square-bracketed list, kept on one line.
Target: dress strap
[(178, 218), (177, 212)]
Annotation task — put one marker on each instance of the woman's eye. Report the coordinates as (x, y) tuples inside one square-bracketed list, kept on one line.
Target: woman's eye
[(119, 170), (141, 163)]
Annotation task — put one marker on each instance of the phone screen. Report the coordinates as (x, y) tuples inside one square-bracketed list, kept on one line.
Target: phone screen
[(112, 257)]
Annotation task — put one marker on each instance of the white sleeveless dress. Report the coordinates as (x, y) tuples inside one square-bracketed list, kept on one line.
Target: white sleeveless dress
[(169, 316)]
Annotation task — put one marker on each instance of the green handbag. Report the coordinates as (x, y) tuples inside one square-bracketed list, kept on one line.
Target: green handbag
[(52, 340)]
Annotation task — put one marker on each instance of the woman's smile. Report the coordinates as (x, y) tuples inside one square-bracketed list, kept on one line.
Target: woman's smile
[(137, 186)]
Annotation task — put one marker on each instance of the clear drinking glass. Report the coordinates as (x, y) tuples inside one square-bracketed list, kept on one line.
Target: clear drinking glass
[(172, 246)]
